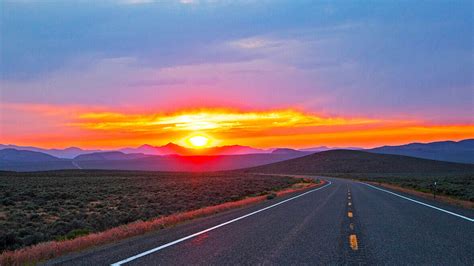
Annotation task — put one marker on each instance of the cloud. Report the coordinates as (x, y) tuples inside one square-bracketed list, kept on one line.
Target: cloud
[(136, 2), (99, 127), (254, 43), (213, 120)]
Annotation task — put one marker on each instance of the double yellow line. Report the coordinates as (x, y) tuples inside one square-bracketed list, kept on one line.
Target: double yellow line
[(352, 237)]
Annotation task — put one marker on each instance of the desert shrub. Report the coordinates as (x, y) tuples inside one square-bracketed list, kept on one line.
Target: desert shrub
[(271, 196), (64, 204), (74, 233)]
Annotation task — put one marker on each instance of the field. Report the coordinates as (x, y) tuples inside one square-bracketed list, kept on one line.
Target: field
[(42, 206), (453, 179), (458, 186)]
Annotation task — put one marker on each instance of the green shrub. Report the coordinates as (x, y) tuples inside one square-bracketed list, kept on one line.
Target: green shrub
[(75, 233), (271, 196), (68, 204)]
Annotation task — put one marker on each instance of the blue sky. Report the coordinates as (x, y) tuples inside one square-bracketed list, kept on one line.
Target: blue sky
[(390, 59)]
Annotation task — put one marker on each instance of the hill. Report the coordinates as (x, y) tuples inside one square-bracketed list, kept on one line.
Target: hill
[(290, 151), (451, 151), (25, 156), (179, 163), (69, 153), (350, 161), (25, 161), (175, 149), (19, 160), (110, 155)]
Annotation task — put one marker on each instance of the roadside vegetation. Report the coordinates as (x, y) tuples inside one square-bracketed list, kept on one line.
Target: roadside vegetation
[(458, 186), (63, 205), (454, 180)]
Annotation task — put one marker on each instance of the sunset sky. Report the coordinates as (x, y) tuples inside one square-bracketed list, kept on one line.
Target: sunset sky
[(260, 73)]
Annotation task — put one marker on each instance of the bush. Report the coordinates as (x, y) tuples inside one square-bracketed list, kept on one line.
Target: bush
[(66, 204), (75, 233), (271, 196)]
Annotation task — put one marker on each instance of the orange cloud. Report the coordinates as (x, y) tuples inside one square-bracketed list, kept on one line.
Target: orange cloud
[(211, 120), (94, 127)]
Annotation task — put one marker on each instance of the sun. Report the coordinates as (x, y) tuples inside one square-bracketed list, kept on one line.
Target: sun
[(198, 141)]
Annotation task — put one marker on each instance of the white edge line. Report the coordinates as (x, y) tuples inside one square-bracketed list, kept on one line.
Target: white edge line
[(422, 203), (212, 228)]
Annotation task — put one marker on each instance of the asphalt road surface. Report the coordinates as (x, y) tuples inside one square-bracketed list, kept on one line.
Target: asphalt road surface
[(344, 222)]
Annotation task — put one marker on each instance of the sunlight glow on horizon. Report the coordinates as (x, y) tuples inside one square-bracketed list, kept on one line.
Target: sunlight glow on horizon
[(198, 141), (211, 119), (102, 128)]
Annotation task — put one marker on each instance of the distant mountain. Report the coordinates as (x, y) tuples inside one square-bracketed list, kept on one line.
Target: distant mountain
[(451, 151), (316, 149), (172, 157), (25, 156), (325, 148), (349, 161), (110, 155), (24, 161), (69, 153), (235, 150), (290, 151), (180, 163), (20, 160), (174, 149)]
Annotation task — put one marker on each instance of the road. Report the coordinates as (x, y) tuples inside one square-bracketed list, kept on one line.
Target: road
[(76, 165), (345, 222)]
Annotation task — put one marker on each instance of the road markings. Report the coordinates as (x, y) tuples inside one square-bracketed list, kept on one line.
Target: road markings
[(212, 228), (422, 203), (352, 237), (353, 242)]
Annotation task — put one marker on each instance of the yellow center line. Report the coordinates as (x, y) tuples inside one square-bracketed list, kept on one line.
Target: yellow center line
[(349, 214), (353, 242)]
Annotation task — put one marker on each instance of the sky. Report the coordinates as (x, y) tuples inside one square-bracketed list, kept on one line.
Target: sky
[(115, 73)]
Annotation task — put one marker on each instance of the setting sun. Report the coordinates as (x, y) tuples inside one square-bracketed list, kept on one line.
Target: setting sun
[(198, 141)]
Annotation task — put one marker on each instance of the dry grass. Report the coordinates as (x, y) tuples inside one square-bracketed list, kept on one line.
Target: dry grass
[(52, 249), (48, 206), (441, 198)]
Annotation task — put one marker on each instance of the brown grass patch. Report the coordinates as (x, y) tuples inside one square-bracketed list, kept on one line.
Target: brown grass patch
[(53, 249), (441, 198)]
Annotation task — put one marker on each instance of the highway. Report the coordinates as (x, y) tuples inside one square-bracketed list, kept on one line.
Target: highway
[(344, 222)]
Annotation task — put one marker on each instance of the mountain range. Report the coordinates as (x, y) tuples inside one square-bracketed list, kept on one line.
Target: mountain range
[(25, 161), (174, 149), (172, 157), (451, 151), (68, 153)]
